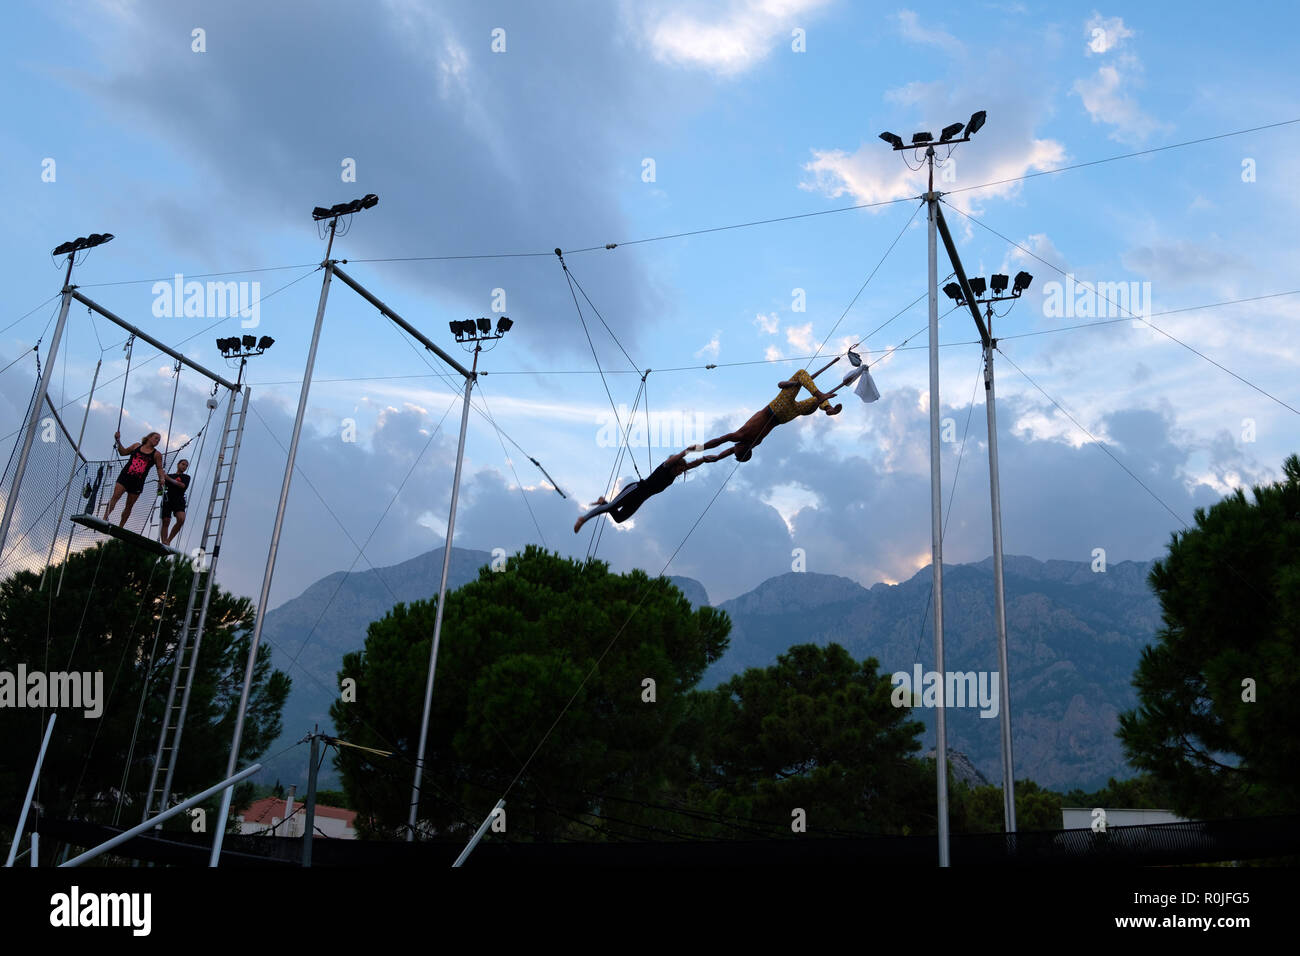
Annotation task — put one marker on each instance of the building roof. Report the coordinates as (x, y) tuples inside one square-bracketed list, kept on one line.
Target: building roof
[(262, 811)]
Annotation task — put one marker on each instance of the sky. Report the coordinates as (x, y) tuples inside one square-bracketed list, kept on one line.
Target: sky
[(685, 135)]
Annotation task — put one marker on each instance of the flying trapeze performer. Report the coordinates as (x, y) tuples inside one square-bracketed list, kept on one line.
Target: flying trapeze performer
[(780, 410), (130, 482), (636, 493)]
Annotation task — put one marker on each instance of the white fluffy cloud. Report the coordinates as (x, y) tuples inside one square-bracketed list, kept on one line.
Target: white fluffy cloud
[(728, 42), (1107, 93)]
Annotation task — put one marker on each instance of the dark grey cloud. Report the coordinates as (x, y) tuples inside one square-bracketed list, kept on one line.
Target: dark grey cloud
[(469, 151)]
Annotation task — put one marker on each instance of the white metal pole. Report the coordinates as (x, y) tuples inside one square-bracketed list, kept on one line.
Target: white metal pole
[(442, 601), (76, 453), (1004, 678), (478, 834), (936, 527), (38, 405), (265, 596), (31, 789), (181, 807), (36, 847)]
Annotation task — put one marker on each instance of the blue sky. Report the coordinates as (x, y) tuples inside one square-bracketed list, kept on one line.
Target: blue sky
[(207, 162)]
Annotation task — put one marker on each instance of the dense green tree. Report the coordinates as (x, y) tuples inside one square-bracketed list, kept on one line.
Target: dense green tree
[(104, 619), (1142, 792), (816, 731), (1229, 593), (545, 635), (979, 809)]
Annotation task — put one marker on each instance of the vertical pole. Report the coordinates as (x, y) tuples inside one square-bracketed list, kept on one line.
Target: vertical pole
[(936, 526), (38, 405), (265, 595), (36, 847), (309, 822), (442, 601), (31, 789), (1004, 679), (76, 453)]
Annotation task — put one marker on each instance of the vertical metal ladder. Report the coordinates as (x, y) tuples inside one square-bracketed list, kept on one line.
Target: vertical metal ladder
[(196, 609)]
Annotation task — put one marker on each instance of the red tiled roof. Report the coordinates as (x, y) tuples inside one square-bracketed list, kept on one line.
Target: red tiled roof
[(261, 811)]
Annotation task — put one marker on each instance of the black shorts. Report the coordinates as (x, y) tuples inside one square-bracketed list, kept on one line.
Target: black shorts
[(134, 484), (172, 506)]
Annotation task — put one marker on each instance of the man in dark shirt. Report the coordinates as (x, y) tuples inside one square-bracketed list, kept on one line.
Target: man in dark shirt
[(635, 494), (174, 501)]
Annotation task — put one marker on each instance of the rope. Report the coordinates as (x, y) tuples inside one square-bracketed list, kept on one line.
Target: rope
[(121, 406), (608, 394)]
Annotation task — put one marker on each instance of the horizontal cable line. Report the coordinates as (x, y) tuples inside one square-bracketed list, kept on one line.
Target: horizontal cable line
[(203, 275), (1131, 315), (1111, 159), (1190, 308)]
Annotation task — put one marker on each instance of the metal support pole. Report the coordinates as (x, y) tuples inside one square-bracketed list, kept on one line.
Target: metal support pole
[(165, 349), (31, 789), (36, 847), (936, 524), (76, 453), (265, 595), (478, 834), (1004, 679), (310, 809), (38, 405), (442, 601), (139, 828)]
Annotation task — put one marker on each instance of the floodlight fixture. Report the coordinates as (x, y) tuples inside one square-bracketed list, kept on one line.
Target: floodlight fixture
[(1022, 282), (82, 242), (264, 343), (998, 283), (893, 139), (920, 139), (503, 325), (367, 201), (977, 285), (249, 341), (953, 291), (976, 122), (949, 132), (485, 326)]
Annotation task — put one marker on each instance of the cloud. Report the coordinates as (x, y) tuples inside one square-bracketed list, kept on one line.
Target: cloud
[(1106, 94), (1183, 262), (711, 347), (768, 324), (800, 336), (911, 29), (1105, 33), (1007, 148), (730, 43)]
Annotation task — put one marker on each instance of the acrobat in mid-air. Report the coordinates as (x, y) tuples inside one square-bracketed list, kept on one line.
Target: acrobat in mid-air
[(637, 493), (130, 482), (780, 410)]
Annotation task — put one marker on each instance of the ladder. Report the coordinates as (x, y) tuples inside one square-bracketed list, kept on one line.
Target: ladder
[(196, 609)]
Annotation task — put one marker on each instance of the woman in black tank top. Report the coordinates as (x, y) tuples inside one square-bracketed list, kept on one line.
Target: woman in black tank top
[(143, 455)]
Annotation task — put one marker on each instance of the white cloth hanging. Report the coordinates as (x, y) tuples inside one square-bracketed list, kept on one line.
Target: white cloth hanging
[(866, 388)]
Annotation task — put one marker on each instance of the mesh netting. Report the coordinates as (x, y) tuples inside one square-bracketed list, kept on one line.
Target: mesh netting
[(40, 531)]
